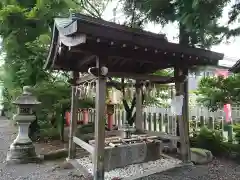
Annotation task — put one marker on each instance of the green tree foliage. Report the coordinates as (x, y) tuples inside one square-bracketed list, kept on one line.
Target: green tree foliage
[(214, 92), (198, 19), (25, 32), (24, 28), (94, 8), (234, 17)]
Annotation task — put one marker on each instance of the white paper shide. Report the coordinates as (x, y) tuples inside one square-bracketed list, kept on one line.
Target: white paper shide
[(176, 105)]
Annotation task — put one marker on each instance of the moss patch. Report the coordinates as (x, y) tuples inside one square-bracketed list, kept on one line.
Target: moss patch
[(199, 151)]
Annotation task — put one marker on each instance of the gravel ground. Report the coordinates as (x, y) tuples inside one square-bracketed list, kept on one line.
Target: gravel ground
[(217, 170), (131, 170), (46, 171)]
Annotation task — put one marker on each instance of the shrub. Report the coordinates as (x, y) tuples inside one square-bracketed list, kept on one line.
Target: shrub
[(49, 133), (236, 127), (210, 140)]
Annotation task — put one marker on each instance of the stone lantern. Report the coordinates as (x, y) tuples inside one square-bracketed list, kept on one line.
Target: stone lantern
[(22, 149)]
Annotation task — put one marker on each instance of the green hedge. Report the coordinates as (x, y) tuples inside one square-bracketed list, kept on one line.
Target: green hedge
[(213, 141)]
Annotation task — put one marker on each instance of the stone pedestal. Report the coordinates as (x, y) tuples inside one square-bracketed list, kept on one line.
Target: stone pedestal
[(22, 154), (22, 149)]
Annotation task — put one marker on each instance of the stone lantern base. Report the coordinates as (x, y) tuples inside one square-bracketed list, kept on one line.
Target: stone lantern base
[(22, 154)]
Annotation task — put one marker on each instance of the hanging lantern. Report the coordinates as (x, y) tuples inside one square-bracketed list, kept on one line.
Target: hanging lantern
[(85, 90), (94, 89), (128, 92), (91, 90), (148, 92), (131, 90), (154, 91), (144, 88), (81, 93), (116, 96), (88, 89)]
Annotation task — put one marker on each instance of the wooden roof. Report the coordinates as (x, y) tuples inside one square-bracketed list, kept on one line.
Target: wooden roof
[(236, 67), (77, 40)]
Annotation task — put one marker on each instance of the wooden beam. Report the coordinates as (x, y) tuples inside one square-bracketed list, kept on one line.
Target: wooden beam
[(138, 76), (98, 162), (139, 116), (162, 135), (73, 122), (131, 59), (185, 113), (155, 79), (182, 122), (83, 144), (152, 78), (87, 59)]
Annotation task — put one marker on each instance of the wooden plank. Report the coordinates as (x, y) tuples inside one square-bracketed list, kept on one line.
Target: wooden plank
[(83, 144), (107, 140), (162, 135), (98, 161)]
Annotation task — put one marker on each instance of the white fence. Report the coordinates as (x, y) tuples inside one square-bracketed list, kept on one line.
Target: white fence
[(161, 119)]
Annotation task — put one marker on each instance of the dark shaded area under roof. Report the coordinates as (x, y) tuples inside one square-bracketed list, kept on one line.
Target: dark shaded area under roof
[(236, 67), (77, 40)]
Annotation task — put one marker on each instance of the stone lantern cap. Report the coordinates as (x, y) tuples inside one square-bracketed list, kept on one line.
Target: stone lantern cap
[(26, 98)]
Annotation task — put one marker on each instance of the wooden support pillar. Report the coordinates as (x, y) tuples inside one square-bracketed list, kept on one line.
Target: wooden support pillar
[(185, 113), (182, 120), (73, 117), (139, 115), (98, 170)]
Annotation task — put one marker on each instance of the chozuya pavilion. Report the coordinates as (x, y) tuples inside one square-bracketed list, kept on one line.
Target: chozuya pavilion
[(104, 49)]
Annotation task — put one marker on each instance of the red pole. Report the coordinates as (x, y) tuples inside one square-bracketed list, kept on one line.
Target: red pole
[(67, 118), (85, 116), (110, 121)]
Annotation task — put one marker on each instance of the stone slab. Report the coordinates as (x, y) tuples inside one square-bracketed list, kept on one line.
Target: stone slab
[(127, 154)]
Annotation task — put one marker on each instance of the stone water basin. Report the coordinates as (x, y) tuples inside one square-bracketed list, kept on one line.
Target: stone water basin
[(129, 152)]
